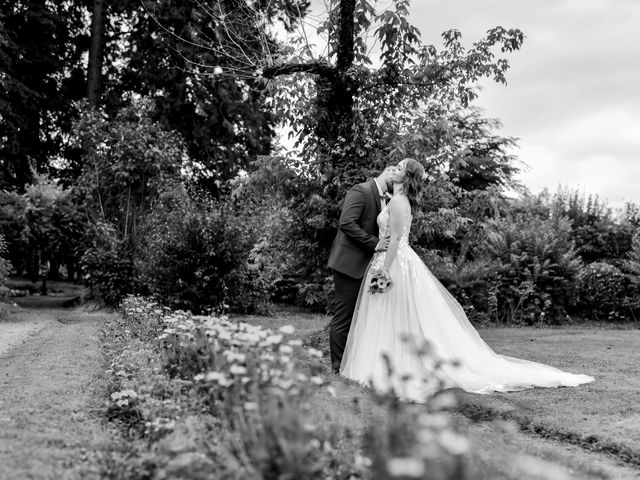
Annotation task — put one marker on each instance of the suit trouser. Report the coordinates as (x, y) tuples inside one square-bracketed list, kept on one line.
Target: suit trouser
[(346, 296)]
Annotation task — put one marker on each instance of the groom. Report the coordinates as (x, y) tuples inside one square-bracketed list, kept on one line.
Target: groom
[(353, 247)]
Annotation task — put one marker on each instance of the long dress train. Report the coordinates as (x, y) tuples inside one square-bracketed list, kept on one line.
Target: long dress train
[(388, 328)]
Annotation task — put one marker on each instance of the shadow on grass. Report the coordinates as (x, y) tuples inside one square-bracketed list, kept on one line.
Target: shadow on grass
[(478, 412)]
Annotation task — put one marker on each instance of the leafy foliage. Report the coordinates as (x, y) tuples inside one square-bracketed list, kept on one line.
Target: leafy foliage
[(129, 161), (537, 269), (598, 236), (109, 266), (41, 60), (603, 292), (44, 224), (5, 269), (202, 255), (353, 119), (219, 111)]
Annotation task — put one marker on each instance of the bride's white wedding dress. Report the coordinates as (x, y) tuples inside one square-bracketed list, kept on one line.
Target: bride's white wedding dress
[(420, 309)]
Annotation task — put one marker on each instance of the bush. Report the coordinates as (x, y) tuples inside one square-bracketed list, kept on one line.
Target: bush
[(598, 235), (44, 224), (603, 292), (537, 265), (109, 267), (202, 255)]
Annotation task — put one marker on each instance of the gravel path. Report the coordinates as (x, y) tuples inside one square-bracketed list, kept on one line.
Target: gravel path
[(50, 423)]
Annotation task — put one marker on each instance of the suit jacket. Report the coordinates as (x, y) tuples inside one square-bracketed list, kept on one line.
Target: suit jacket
[(357, 236)]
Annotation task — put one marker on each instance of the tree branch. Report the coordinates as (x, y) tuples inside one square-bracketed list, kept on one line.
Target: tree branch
[(317, 68)]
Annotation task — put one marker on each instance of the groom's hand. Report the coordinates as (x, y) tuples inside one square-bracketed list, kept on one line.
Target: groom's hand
[(383, 244)]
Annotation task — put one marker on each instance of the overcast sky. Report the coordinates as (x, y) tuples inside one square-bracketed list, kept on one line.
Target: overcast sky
[(573, 92)]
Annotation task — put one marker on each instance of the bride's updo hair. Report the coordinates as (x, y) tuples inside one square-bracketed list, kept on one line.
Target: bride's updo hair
[(412, 183)]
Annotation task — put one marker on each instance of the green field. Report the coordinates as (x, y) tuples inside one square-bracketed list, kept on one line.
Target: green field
[(592, 431)]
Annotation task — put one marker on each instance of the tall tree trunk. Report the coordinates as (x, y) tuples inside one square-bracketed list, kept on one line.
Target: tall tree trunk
[(96, 49), (335, 84), (338, 90)]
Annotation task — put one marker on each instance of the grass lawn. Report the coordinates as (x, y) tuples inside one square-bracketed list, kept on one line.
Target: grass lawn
[(588, 432)]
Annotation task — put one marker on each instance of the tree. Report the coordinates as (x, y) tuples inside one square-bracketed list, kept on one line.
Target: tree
[(129, 160), (350, 118), (40, 57), (94, 70), (347, 92), (223, 119), (44, 225)]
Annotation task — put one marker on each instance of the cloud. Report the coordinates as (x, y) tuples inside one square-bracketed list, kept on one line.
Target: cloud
[(572, 96)]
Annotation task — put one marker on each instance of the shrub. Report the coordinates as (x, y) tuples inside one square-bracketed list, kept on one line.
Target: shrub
[(598, 235), (44, 224), (537, 265), (201, 254), (109, 267), (128, 161), (603, 292)]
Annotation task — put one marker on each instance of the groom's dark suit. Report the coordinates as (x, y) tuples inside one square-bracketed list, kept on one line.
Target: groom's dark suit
[(352, 249)]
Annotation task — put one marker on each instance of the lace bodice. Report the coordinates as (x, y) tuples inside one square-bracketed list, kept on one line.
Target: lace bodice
[(402, 256), (383, 226)]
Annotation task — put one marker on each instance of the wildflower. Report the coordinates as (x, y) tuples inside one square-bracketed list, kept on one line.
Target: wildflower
[(224, 335), (250, 338), (225, 382), (273, 340), (332, 391), (362, 461), (434, 421), (454, 443), (284, 384), (214, 376), (199, 377), (287, 329), (296, 342), (312, 352), (250, 406), (317, 380), (286, 349), (235, 356), (236, 369), (405, 467), (443, 401), (267, 357), (425, 436), (301, 377)]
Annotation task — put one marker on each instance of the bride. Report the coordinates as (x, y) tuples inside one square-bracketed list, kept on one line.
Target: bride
[(391, 331)]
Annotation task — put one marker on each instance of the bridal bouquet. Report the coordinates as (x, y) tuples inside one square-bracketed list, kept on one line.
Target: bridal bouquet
[(380, 282)]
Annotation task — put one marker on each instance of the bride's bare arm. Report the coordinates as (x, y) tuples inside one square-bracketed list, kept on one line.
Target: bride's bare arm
[(396, 224)]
